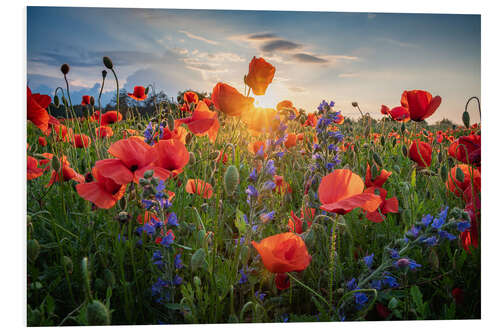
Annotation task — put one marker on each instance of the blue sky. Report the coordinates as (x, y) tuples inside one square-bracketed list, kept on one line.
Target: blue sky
[(370, 58)]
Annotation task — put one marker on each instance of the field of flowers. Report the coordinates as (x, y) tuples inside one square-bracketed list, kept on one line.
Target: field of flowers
[(210, 210)]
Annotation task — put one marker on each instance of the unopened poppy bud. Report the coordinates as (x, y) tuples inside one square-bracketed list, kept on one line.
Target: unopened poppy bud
[(92, 100), (394, 142), (459, 174), (188, 138), (405, 150), (56, 101), (65, 101), (68, 264), (104, 73), (143, 182), (403, 127), (33, 250), (170, 122), (382, 141), (65, 69), (98, 314), (148, 174), (377, 159), (231, 179), (354, 104), (397, 168), (374, 171), (56, 165), (192, 158), (466, 118), (107, 62), (146, 90)]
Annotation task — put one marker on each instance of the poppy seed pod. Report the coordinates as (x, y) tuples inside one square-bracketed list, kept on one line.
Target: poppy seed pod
[(98, 314), (65, 69), (231, 179), (148, 174), (107, 62), (354, 104), (56, 165), (104, 73)]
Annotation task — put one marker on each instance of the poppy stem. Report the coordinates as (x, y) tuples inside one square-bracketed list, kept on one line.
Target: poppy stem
[(478, 105), (331, 265), (308, 288), (117, 91)]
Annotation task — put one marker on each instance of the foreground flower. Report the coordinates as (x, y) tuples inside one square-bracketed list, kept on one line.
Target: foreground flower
[(199, 187), (138, 94), (260, 75), (104, 132), (471, 175), (203, 122), (387, 206), (103, 192), (261, 120), (36, 111), (229, 101), (283, 253), (180, 133), (342, 190), (420, 104), (421, 153), (171, 157)]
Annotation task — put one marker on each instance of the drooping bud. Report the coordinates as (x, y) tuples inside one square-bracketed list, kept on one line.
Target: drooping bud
[(354, 104), (65, 69), (405, 150), (466, 118), (107, 62), (459, 174), (377, 159), (444, 173), (403, 128), (382, 141), (56, 101), (98, 314), (92, 100), (231, 179)]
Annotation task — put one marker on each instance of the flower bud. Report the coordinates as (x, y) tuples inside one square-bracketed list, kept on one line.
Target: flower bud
[(65, 69), (148, 174), (143, 182), (459, 174), (231, 179), (466, 118), (354, 104), (107, 62), (56, 101), (405, 150), (104, 73), (92, 100), (98, 314), (192, 158), (56, 165), (377, 159)]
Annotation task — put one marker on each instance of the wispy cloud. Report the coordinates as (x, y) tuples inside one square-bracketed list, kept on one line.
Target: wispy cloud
[(279, 45), (203, 39), (308, 58), (397, 43)]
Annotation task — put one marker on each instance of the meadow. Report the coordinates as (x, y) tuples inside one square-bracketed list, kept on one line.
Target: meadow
[(207, 209)]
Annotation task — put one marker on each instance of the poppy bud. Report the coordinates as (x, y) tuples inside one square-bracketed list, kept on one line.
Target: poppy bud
[(107, 62), (56, 101), (56, 165), (466, 118), (68, 264), (377, 159), (382, 141), (405, 150), (146, 90), (65, 69), (33, 250), (154, 181), (98, 314), (143, 182), (394, 142), (188, 138), (92, 100), (192, 158), (123, 203), (403, 128), (440, 157), (374, 171), (459, 175), (170, 122), (148, 174), (231, 179), (104, 73), (354, 104), (397, 168)]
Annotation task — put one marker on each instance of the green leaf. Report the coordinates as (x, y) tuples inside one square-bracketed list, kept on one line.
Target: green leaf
[(416, 295), (240, 222), (414, 177), (393, 303)]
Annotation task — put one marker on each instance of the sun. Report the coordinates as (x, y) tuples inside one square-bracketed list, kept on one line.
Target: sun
[(266, 101)]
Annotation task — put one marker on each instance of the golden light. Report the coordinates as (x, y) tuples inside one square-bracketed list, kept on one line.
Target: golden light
[(266, 101)]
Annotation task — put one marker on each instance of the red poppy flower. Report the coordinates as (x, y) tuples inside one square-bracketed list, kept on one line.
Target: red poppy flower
[(467, 149), (203, 122), (254, 147), (86, 100), (36, 110), (42, 141), (342, 190), (190, 97), (387, 206), (470, 237), (286, 104), (33, 171), (208, 102), (420, 104), (283, 253), (377, 182), (103, 191), (171, 157), (260, 75), (67, 173), (81, 141), (291, 140), (312, 120), (104, 132), (178, 133), (60, 132), (471, 175), (219, 158), (146, 218), (295, 224), (199, 187), (281, 185), (139, 93), (229, 101), (339, 119), (384, 109), (111, 117), (400, 113), (282, 281), (421, 152), (132, 156)]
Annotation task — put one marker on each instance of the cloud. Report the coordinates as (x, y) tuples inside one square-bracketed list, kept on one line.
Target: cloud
[(279, 45), (307, 58), (203, 39), (299, 90), (262, 36), (397, 43)]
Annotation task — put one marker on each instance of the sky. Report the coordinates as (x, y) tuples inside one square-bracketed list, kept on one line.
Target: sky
[(370, 58)]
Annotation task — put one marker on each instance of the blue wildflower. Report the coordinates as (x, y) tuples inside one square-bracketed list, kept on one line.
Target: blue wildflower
[(427, 219), (352, 284), (413, 232), (360, 299), (376, 284), (172, 220), (269, 185), (252, 192), (178, 261), (147, 203), (270, 168), (463, 226), (177, 280), (393, 253), (390, 281), (369, 260), (430, 241), (260, 295), (266, 217), (244, 277), (446, 235), (253, 175), (168, 240)]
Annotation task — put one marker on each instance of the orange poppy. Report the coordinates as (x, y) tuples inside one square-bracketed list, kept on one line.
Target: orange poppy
[(471, 175), (111, 117), (103, 191), (339, 120), (203, 122), (387, 206), (199, 187), (219, 158), (420, 104), (229, 101), (132, 155), (421, 152), (467, 149), (400, 113), (208, 102), (291, 140), (42, 141), (172, 157), (254, 147), (260, 75), (342, 190), (377, 182), (104, 131), (286, 104), (60, 132), (86, 100), (81, 140), (311, 120), (178, 133), (282, 253), (33, 171), (67, 172), (190, 97), (36, 110), (139, 93), (295, 224)]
